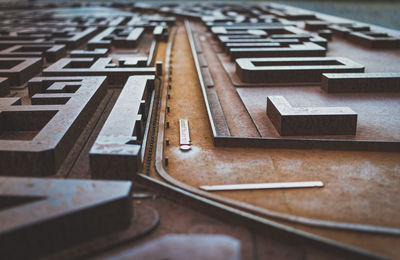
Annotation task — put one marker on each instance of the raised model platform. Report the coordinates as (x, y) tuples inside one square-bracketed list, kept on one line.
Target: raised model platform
[(254, 131)]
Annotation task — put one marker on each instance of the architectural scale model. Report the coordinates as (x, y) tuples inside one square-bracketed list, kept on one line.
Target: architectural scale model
[(161, 130)]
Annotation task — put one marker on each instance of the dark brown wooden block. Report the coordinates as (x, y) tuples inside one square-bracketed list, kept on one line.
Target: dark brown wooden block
[(226, 39), (68, 34), (93, 67), (52, 53), (375, 40), (343, 30), (50, 214), (40, 30), (316, 25), (76, 38), (158, 32), (306, 49), (121, 37), (95, 53), (35, 139), (116, 151), (295, 15), (327, 34), (4, 89), (266, 70), (208, 79), (132, 62), (290, 120), (360, 82), (19, 70), (275, 32), (149, 22), (263, 44), (262, 30), (10, 43)]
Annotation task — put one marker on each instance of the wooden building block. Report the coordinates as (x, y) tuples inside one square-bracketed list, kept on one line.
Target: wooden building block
[(92, 67), (52, 53), (120, 37), (360, 82), (267, 70), (4, 88), (95, 53), (306, 49), (35, 139), (19, 70), (46, 215), (375, 40), (76, 38), (294, 121), (116, 151)]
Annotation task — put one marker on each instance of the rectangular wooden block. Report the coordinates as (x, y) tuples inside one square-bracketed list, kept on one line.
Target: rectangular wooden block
[(116, 151), (269, 70), (360, 82), (95, 53), (46, 215), (4, 89), (19, 70), (36, 138), (374, 40), (52, 52), (95, 67), (294, 121), (76, 38), (307, 49), (120, 37), (207, 78), (227, 40)]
